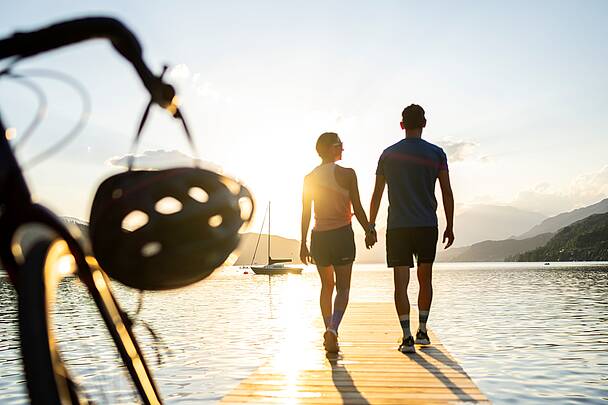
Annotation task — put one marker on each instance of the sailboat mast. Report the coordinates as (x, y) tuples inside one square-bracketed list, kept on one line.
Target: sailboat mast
[(269, 232)]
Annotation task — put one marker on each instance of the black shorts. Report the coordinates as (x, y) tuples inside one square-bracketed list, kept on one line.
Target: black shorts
[(403, 243), (336, 246)]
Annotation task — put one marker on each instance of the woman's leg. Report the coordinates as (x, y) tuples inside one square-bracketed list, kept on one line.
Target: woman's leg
[(343, 275), (326, 273)]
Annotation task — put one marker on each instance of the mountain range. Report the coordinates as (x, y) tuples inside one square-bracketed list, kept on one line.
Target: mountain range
[(557, 222), (490, 222), (512, 232), (536, 237), (584, 240), (493, 233), (282, 248)]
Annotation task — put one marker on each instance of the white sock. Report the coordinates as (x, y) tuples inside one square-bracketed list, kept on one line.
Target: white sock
[(404, 320)]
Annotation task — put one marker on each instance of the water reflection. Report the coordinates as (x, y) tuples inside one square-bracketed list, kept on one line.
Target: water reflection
[(524, 333)]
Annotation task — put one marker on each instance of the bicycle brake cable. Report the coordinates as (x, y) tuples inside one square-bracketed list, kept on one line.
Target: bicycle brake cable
[(157, 338), (84, 115), (40, 113)]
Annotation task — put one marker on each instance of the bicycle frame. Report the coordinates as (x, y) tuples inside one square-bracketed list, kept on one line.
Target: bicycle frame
[(18, 209)]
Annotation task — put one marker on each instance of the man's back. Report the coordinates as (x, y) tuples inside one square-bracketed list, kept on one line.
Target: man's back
[(411, 167)]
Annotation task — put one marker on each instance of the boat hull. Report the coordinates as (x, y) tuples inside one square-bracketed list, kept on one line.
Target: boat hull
[(271, 271)]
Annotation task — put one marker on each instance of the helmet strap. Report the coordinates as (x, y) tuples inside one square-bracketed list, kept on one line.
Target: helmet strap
[(178, 115)]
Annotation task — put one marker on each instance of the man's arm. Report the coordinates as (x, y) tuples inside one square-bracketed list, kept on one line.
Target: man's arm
[(353, 189), (374, 206), (306, 210), (448, 206)]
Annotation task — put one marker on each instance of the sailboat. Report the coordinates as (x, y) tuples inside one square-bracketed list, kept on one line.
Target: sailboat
[(274, 266)]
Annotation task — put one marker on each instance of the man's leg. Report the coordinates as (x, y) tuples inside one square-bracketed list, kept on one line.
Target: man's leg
[(326, 273), (401, 276), (425, 297), (343, 274)]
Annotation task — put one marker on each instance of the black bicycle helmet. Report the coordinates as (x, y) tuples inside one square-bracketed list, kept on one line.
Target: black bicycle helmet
[(157, 230)]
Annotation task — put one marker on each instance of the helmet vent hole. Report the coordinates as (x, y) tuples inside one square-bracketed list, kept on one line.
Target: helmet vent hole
[(198, 194), (215, 221), (168, 205), (150, 249), (134, 220), (233, 186), (246, 206)]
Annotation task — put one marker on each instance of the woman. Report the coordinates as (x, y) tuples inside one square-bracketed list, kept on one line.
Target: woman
[(333, 189)]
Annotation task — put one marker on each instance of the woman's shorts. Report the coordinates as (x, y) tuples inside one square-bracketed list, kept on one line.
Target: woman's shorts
[(403, 243), (333, 247)]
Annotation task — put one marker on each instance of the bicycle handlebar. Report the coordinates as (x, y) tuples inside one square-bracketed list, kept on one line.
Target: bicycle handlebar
[(26, 44)]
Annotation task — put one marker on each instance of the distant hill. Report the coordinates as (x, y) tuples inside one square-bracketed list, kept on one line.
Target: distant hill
[(499, 250), (490, 222), (282, 248), (557, 222), (477, 223), (448, 255), (585, 240)]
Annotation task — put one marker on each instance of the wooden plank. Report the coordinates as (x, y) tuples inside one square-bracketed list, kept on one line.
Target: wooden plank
[(368, 369)]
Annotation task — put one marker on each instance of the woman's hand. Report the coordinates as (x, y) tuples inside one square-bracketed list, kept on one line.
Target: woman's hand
[(305, 254), (370, 239)]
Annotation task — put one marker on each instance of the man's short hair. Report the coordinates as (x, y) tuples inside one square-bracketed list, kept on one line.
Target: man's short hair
[(326, 139), (413, 117)]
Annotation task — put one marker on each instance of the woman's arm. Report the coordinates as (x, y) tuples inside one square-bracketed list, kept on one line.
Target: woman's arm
[(370, 231)]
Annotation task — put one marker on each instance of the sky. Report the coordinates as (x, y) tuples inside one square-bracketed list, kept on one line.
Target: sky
[(515, 92)]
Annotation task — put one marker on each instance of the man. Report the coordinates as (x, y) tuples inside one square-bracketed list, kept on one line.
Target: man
[(410, 168)]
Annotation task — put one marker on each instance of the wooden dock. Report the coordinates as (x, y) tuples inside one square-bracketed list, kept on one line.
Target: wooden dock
[(368, 370)]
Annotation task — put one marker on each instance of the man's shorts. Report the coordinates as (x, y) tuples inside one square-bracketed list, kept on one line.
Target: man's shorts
[(333, 247), (403, 243)]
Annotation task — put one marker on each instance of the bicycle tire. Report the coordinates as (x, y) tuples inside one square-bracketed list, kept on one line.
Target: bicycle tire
[(48, 381)]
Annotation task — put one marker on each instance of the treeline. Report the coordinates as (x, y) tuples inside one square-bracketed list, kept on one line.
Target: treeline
[(585, 240)]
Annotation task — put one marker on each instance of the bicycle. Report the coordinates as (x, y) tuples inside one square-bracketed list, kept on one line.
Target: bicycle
[(167, 250)]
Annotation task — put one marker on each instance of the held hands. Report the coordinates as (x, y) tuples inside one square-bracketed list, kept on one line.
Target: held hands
[(371, 237), (305, 254), (449, 235)]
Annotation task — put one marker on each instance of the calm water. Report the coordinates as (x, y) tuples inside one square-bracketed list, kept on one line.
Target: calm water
[(525, 333)]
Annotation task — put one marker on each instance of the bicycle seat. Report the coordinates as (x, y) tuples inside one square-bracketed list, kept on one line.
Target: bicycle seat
[(157, 230)]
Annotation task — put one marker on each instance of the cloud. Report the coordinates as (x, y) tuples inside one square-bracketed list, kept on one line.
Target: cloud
[(459, 151), (180, 72), (583, 190), (192, 82), (161, 159)]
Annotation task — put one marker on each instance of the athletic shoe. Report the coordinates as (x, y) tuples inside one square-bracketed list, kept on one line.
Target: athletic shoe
[(330, 341), (407, 345), (422, 338)]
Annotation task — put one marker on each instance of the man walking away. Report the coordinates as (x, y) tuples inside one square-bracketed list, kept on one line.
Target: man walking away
[(410, 168)]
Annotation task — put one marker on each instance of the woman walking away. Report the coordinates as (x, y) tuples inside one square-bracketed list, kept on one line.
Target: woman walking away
[(333, 189)]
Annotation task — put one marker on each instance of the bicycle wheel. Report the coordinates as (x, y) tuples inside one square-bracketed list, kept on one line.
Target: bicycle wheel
[(48, 381)]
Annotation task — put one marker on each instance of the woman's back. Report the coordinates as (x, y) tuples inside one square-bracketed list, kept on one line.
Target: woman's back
[(332, 202)]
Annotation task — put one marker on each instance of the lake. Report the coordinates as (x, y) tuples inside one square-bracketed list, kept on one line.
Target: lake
[(524, 332)]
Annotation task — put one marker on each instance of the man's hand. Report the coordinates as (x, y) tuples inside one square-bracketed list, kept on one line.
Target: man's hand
[(305, 254), (449, 235), (370, 239)]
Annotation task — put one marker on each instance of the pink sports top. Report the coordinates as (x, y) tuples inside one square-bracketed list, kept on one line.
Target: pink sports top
[(332, 204)]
